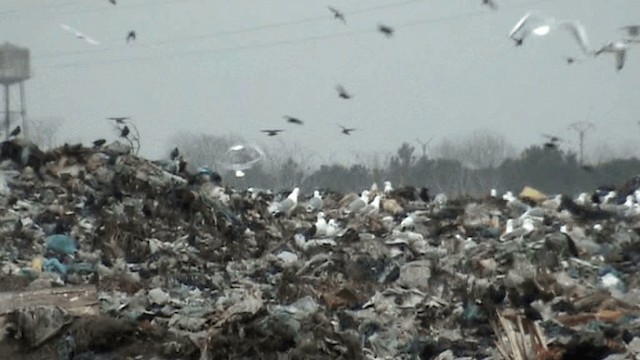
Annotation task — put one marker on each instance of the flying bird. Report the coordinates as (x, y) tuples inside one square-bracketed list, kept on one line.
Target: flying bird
[(98, 143), (112, 1), (272, 132), (131, 36), (119, 119), (632, 30), (337, 14), (542, 26), (552, 142), (517, 27), (342, 92), (294, 120), (490, 3), (571, 60), (79, 34), (174, 153), (386, 30), (15, 131), (552, 138), (347, 131), (124, 132), (619, 49)]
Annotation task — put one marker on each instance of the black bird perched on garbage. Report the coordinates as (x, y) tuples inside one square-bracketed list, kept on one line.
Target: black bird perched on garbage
[(174, 153), (424, 194), (386, 30), (272, 132), (337, 14), (98, 143), (342, 92), (119, 119), (131, 36), (347, 131), (293, 120), (125, 131), (215, 178), (15, 132)]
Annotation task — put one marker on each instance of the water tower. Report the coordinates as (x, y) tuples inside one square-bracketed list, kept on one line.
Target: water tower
[(14, 69)]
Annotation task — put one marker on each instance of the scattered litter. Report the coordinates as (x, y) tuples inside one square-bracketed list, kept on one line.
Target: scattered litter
[(108, 255)]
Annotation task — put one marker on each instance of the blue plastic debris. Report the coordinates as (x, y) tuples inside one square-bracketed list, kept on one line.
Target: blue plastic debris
[(54, 265), (29, 273), (61, 244), (82, 268)]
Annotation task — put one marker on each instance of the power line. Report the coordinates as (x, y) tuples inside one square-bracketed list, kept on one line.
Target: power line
[(69, 4), (127, 7), (277, 43), (38, 8), (247, 29), (581, 128)]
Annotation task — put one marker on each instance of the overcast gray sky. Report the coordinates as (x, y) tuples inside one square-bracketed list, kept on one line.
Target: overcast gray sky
[(449, 69)]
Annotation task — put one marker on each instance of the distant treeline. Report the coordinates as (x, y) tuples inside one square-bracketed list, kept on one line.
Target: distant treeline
[(471, 165), (550, 170)]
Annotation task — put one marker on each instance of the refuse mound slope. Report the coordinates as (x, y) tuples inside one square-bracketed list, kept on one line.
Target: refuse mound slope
[(106, 255)]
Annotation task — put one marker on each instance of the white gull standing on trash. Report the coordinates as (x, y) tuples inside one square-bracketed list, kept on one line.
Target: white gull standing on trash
[(359, 203), (321, 224), (373, 207), (315, 203), (332, 228), (287, 205), (387, 187), (514, 203)]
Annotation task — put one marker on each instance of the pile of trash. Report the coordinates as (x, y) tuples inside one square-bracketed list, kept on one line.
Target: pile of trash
[(105, 255)]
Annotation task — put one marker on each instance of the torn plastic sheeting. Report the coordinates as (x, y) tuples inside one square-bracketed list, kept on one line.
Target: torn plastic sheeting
[(62, 244), (38, 324)]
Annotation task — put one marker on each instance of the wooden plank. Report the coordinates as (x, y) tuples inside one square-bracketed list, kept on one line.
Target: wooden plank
[(79, 298)]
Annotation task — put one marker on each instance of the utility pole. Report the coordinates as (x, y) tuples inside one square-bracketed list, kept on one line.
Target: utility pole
[(581, 128), (424, 146)]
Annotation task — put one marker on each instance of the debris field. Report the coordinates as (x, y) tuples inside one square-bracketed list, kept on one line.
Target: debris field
[(106, 255)]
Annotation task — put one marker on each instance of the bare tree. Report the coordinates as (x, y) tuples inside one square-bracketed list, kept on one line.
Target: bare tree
[(377, 161), (481, 149), (604, 151), (291, 163), (43, 131), (203, 149)]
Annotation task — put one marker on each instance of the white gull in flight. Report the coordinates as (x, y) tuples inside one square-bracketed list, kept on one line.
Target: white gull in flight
[(531, 24), (619, 49), (79, 34)]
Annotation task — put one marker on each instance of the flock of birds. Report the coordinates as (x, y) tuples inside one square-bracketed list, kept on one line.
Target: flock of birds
[(342, 93), (530, 25), (370, 202), (521, 219), (537, 25)]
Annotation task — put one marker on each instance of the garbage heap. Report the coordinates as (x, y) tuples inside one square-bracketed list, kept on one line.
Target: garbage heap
[(105, 255)]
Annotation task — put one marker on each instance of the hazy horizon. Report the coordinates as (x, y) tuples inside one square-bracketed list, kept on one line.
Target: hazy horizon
[(239, 67)]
